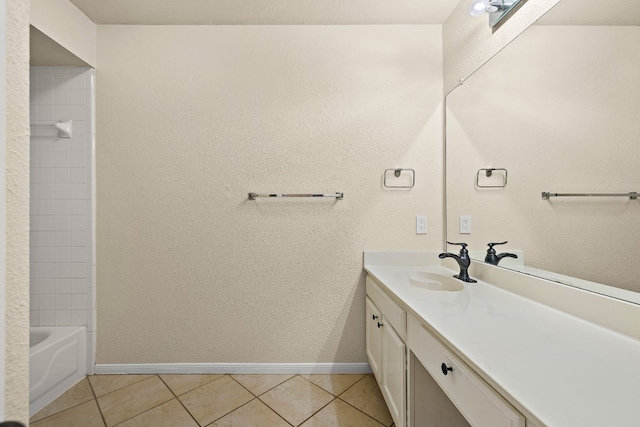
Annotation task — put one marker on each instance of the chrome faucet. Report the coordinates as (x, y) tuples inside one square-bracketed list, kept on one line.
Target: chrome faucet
[(463, 261), (493, 258)]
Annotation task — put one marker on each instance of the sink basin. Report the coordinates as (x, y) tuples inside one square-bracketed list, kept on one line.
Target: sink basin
[(433, 282)]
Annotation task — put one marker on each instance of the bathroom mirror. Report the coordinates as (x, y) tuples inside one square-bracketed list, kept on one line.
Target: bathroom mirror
[(559, 110)]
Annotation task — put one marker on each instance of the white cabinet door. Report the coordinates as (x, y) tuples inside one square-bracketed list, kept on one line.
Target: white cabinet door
[(393, 374), (374, 318)]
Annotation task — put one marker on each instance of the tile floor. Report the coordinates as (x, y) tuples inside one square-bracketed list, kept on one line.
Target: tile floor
[(218, 400)]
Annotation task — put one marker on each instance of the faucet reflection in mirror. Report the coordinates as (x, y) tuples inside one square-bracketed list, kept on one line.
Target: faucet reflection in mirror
[(497, 9)]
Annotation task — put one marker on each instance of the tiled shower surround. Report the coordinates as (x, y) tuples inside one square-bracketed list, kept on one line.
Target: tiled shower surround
[(62, 232)]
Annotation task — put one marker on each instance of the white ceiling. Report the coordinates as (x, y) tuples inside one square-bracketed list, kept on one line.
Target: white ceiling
[(275, 12)]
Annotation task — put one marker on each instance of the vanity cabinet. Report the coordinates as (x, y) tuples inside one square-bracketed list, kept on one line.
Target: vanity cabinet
[(476, 400), (392, 336), (386, 350)]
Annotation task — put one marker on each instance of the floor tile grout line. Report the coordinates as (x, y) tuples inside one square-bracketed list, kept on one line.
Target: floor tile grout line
[(357, 409), (144, 412), (257, 397), (253, 395), (220, 376), (266, 391), (361, 411), (120, 375), (95, 398), (71, 407), (314, 414), (180, 401)]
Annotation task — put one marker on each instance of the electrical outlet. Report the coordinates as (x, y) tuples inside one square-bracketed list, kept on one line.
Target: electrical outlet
[(421, 224), (465, 224)]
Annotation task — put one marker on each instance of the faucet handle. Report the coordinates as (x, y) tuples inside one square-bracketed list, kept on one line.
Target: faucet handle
[(463, 250), (491, 245), (464, 245)]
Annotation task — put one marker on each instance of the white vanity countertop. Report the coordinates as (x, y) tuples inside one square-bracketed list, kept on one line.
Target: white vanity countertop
[(564, 370)]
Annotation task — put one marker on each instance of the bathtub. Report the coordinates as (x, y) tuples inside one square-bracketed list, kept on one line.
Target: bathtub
[(57, 360)]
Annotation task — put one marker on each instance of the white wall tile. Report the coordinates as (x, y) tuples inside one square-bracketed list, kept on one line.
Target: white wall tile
[(61, 112), (61, 159), (46, 145), (46, 254), (79, 302), (77, 81), (62, 207), (76, 97), (46, 238), (78, 191), (45, 191), (46, 286), (46, 317), (78, 238), (78, 270), (62, 238), (77, 159), (46, 302), (62, 144), (78, 254), (61, 96), (62, 302), (62, 222), (62, 270), (63, 317), (46, 175), (77, 175), (62, 286), (78, 317), (78, 207), (60, 188), (45, 159), (46, 270), (46, 223), (77, 112), (78, 286), (46, 207), (62, 254), (45, 112)]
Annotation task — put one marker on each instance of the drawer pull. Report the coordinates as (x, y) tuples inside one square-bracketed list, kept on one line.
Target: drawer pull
[(380, 324), (374, 317), (446, 369)]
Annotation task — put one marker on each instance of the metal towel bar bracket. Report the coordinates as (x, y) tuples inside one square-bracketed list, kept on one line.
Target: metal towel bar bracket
[(488, 172), (397, 172), (632, 195), (337, 196)]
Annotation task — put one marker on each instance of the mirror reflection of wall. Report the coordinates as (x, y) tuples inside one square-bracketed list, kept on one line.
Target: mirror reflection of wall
[(558, 108)]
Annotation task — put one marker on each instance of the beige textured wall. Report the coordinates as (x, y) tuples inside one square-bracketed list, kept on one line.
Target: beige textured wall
[(65, 24), (191, 119), (17, 211), (565, 120), (468, 41)]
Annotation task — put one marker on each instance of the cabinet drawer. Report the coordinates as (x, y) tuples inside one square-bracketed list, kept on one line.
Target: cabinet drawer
[(480, 404), (392, 312)]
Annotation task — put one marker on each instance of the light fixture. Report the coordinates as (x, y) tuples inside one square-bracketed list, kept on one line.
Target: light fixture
[(496, 9)]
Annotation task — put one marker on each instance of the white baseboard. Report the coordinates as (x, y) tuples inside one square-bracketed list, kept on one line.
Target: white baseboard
[(234, 368)]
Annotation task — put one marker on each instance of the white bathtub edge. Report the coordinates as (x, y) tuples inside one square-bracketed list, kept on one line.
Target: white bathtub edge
[(234, 368), (61, 335)]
